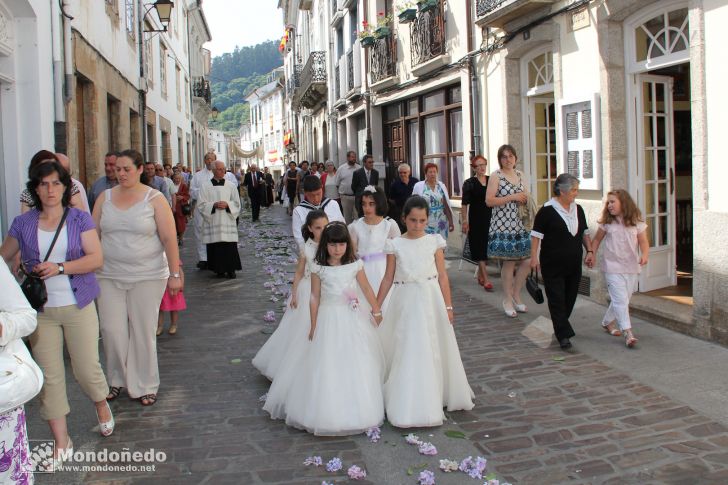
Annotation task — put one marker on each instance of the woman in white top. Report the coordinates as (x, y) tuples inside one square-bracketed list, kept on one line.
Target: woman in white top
[(328, 179), (440, 220), (142, 259)]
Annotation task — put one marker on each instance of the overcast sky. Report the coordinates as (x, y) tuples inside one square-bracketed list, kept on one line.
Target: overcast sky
[(241, 23)]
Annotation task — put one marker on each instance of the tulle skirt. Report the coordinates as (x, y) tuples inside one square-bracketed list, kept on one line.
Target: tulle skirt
[(335, 388), (290, 339), (424, 370)]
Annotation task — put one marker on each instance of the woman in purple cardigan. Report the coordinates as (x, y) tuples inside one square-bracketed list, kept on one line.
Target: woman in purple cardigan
[(71, 284)]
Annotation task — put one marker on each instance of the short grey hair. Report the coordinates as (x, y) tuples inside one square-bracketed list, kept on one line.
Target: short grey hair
[(403, 165), (564, 183), (330, 162)]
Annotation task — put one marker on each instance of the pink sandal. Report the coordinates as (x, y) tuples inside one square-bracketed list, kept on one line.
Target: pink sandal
[(609, 328)]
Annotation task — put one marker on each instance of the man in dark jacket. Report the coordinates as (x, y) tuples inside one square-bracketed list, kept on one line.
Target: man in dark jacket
[(367, 175), (255, 184)]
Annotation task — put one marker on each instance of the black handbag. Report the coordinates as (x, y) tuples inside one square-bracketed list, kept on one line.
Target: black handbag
[(186, 209), (33, 286), (533, 288)]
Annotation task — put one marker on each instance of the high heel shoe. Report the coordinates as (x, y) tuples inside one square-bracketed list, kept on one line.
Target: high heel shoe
[(520, 307), (67, 451), (107, 427), (509, 312)]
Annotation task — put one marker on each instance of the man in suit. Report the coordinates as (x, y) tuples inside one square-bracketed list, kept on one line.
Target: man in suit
[(255, 184), (367, 175)]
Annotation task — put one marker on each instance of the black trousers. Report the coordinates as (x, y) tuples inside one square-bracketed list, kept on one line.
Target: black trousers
[(561, 292), (255, 206)]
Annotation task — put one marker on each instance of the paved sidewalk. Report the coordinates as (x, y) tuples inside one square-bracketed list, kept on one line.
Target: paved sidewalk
[(599, 414)]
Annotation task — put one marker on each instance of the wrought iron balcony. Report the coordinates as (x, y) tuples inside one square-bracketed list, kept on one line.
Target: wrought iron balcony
[(337, 82), (382, 59), (350, 70), (427, 35), (201, 89), (497, 13), (313, 80), (294, 81)]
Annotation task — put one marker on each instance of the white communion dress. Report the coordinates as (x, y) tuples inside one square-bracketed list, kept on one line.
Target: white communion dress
[(336, 387), (370, 239), (424, 369), (290, 338)]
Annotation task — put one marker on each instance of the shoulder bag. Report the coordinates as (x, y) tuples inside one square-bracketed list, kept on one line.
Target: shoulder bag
[(20, 377), (33, 286), (533, 288)]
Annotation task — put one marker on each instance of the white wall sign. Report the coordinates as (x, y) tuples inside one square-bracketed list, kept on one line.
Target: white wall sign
[(581, 141)]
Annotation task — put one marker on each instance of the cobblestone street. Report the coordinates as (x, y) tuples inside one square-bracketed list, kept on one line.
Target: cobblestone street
[(541, 417)]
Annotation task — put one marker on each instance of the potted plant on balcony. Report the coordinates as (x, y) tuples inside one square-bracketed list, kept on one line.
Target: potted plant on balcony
[(383, 29), (366, 35), (407, 12), (425, 5)]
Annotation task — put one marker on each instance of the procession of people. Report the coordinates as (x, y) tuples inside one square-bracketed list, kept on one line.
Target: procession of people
[(369, 324)]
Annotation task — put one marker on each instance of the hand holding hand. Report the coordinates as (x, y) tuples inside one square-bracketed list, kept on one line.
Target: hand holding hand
[(589, 260)]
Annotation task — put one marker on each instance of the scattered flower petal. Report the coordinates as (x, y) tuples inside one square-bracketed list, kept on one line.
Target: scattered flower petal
[(426, 478), (263, 397), (334, 465), (313, 461), (374, 434), (427, 448), (474, 468), (449, 465), (270, 316), (356, 473), (412, 439)]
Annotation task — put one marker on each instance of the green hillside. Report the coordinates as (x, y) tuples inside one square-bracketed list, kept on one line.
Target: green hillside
[(236, 74)]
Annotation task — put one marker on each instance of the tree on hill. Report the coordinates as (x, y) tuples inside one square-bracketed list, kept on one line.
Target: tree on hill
[(235, 75)]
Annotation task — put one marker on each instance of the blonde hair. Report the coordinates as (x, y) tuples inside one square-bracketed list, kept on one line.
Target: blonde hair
[(631, 214)]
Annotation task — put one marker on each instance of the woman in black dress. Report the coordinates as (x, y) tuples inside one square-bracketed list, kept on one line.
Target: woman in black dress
[(475, 218), (292, 180)]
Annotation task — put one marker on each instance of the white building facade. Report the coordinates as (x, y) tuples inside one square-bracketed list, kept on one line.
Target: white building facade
[(615, 92), (265, 130)]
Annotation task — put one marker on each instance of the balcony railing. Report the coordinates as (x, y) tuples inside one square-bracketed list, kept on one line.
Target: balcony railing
[(201, 89), (294, 81), (427, 35), (382, 59), (337, 82), (497, 13), (350, 70), (484, 7), (313, 80)]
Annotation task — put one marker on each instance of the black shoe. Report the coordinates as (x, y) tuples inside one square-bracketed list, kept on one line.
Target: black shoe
[(231, 276), (202, 265), (220, 275), (564, 343)]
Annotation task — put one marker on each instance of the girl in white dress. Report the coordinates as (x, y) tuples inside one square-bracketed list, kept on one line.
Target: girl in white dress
[(424, 369), (289, 337), (369, 233), (336, 387)]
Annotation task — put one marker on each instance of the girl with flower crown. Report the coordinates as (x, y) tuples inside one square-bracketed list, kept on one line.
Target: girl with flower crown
[(424, 369), (287, 339), (369, 233), (335, 388)]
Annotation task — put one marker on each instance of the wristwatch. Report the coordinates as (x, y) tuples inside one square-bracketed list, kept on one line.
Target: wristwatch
[(61, 269), (174, 275)]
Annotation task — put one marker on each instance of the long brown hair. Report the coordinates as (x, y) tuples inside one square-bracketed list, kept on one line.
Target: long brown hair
[(335, 232), (631, 214)]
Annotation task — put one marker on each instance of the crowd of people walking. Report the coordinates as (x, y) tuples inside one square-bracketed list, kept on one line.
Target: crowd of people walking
[(351, 347)]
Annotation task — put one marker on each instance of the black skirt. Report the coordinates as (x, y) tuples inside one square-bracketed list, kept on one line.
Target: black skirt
[(223, 257)]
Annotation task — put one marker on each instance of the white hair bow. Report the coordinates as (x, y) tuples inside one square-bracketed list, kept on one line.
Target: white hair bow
[(370, 188)]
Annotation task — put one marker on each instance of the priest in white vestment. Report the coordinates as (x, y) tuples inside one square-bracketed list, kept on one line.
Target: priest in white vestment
[(219, 206)]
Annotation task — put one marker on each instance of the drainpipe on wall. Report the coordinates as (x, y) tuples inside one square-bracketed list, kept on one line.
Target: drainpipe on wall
[(475, 142), (142, 79), (67, 51), (367, 98), (58, 63)]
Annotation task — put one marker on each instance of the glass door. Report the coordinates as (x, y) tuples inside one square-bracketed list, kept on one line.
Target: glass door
[(542, 135), (656, 168)]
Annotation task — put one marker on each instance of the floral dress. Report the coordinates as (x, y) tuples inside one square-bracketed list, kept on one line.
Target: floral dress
[(507, 238), (437, 222), (15, 467)]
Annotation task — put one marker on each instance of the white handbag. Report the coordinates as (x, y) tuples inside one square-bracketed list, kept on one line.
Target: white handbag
[(20, 377)]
